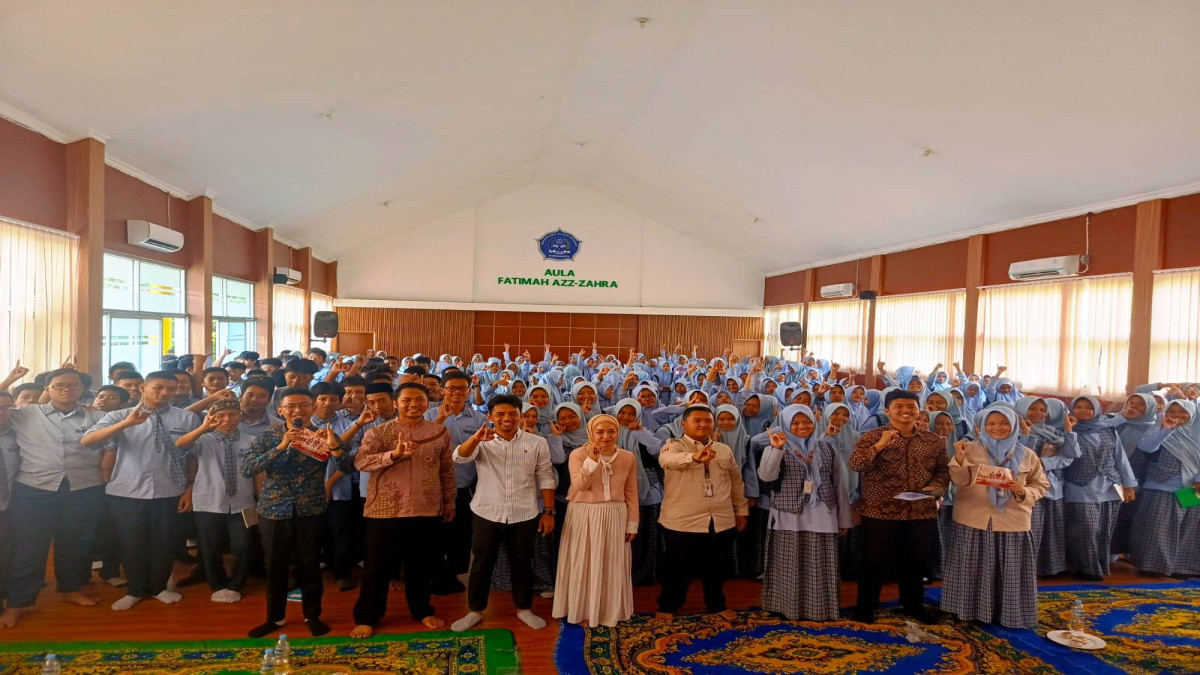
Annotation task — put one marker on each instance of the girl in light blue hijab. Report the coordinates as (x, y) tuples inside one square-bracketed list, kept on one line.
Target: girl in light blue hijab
[(1166, 535)]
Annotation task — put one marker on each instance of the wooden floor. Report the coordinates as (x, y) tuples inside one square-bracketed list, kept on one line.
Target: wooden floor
[(198, 618)]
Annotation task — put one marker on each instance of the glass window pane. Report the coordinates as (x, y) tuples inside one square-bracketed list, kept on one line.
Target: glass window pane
[(218, 303), (160, 289), (118, 283), (239, 298), (174, 338), (125, 339)]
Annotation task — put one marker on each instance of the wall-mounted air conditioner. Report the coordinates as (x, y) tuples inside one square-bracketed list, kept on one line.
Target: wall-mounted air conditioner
[(284, 275), (155, 237), (1044, 268), (838, 291)]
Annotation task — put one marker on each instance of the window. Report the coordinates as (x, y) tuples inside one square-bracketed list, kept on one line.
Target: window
[(233, 315), (772, 317), (1060, 337), (1175, 327), (144, 316), (38, 278), (287, 331), (920, 330), (320, 303), (837, 331)]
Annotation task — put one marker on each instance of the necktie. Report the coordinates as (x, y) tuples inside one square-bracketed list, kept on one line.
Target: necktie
[(229, 462), (163, 440)]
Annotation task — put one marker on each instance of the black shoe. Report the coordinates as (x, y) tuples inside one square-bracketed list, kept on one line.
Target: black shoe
[(448, 587), (344, 585), (265, 629), (196, 576), (863, 616), (317, 627)]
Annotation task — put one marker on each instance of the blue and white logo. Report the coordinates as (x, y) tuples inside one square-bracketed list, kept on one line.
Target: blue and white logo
[(558, 245)]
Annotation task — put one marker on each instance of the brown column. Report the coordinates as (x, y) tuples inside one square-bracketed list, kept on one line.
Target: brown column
[(1147, 257), (263, 291), (199, 249), (972, 359), (306, 265), (875, 284), (806, 296), (332, 279), (85, 218)]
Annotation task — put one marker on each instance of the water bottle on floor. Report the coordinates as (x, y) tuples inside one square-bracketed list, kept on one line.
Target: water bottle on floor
[(1078, 622), (267, 667), (51, 665), (283, 654)]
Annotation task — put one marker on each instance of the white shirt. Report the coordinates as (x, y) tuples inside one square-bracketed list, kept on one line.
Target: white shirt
[(50, 450), (512, 475), (208, 492)]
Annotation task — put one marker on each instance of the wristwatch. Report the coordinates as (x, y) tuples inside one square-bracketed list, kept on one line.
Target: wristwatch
[(548, 512)]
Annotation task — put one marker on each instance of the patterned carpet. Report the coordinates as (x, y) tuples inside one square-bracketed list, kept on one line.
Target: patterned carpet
[(1152, 628), (487, 652)]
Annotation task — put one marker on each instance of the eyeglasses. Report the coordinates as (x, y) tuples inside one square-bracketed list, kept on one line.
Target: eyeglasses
[(66, 387), (456, 389), (295, 406)]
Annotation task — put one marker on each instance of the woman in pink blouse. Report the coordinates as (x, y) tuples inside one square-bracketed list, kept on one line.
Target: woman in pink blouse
[(595, 568)]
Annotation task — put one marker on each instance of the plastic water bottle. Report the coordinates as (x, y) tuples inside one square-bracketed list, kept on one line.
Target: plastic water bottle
[(283, 653), (1078, 618), (51, 666), (267, 667)]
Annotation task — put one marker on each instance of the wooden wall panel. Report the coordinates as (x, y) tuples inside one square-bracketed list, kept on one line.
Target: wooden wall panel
[(784, 289), (1181, 233), (712, 334), (235, 252), (565, 333), (1112, 235), (320, 282), (33, 177), (408, 331), (127, 198), (941, 267)]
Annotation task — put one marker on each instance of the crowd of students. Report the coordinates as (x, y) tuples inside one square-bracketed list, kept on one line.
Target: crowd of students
[(581, 478)]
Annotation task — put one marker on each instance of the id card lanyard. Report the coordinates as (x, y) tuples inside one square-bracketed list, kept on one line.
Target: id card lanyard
[(808, 483)]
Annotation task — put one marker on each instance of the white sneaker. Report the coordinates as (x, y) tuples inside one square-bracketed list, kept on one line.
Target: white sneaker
[(168, 597)]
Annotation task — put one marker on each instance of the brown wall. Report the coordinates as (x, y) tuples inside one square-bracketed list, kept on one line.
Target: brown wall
[(1182, 232), (851, 272), (784, 289), (320, 277), (236, 249), (1111, 244), (939, 267), (463, 333), (283, 255), (33, 177), (127, 198), (409, 331)]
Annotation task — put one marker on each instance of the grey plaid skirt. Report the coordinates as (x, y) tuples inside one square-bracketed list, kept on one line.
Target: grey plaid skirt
[(801, 580), (1050, 537), (991, 577), (1165, 537), (1090, 527)]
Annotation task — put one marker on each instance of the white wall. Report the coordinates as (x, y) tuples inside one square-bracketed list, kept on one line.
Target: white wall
[(498, 239)]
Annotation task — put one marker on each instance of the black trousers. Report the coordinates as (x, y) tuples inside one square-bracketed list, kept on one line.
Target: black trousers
[(339, 541), (902, 544), (688, 555), (390, 542), (214, 531), (293, 541), (147, 530), (487, 536), (106, 547), (6, 551), (455, 538)]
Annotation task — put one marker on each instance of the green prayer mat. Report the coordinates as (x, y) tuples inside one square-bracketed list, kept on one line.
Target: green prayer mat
[(484, 652)]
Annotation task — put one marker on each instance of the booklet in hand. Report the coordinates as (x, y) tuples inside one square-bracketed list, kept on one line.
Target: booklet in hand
[(313, 445), (994, 476)]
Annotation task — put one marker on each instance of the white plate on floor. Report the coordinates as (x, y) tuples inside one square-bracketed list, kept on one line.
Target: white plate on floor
[(1090, 643)]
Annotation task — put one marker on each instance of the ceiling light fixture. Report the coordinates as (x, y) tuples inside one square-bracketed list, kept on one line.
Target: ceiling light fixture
[(327, 115), (927, 153), (386, 203), (642, 21)]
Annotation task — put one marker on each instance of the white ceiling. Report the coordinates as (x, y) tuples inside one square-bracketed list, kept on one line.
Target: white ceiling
[(810, 116)]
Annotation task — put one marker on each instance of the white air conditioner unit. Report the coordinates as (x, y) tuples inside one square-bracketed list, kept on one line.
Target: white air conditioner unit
[(284, 275), (155, 237), (1044, 268), (838, 291)]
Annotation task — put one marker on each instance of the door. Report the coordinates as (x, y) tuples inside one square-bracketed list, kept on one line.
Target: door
[(353, 342), (744, 348)]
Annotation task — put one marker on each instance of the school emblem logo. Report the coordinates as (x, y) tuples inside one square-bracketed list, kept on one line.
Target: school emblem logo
[(558, 245)]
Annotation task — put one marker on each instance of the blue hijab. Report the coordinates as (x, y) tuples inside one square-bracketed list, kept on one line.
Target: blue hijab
[(1132, 431), (1004, 452), (766, 413), (625, 440), (1012, 396), (1184, 441), (737, 440), (973, 403), (805, 446)]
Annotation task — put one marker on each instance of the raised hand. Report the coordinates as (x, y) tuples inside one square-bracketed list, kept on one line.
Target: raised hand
[(1001, 369), (18, 371), (137, 415), (331, 438), (1170, 423), (832, 429), (636, 425), (506, 346), (960, 451), (957, 365), (555, 429), (404, 449), (365, 418), (69, 363), (209, 423), (1026, 426), (1069, 423), (778, 440), (484, 434), (938, 367), (886, 437)]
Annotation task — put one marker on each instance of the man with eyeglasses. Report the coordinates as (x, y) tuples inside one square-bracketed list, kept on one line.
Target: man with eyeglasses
[(291, 506), (57, 496), (462, 420)]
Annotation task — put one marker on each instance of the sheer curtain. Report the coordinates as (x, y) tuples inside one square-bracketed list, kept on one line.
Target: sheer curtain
[(1175, 328), (837, 331), (772, 317), (1062, 337), (920, 330), (320, 303), (287, 330), (38, 278)]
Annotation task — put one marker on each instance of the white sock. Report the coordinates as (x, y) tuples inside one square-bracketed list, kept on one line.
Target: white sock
[(226, 595), (467, 622), (168, 597), (125, 603), (530, 619), (116, 581), (547, 594)]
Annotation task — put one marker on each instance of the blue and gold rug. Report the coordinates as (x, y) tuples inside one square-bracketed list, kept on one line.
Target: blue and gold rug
[(485, 652), (1151, 628)]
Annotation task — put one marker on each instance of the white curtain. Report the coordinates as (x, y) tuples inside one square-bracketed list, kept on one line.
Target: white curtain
[(38, 278), (287, 330), (772, 317), (1060, 337), (1175, 327), (320, 303), (920, 330), (837, 331)]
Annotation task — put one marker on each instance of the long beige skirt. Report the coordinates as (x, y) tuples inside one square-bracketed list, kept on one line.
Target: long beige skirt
[(595, 566)]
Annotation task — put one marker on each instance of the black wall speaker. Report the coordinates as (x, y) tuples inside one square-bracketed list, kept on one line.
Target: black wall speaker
[(279, 278), (791, 333), (866, 295), (325, 324)]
